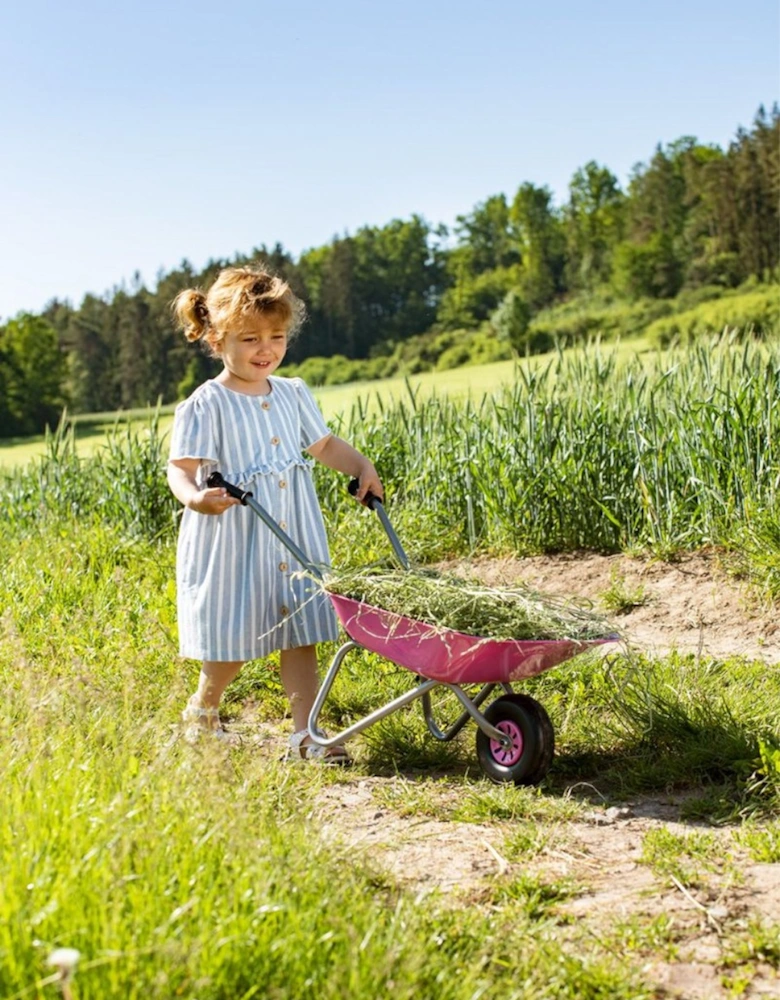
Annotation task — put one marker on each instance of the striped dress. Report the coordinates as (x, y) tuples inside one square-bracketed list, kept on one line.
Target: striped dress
[(240, 592)]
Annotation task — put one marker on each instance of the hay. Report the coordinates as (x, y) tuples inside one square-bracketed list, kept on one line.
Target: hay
[(450, 602)]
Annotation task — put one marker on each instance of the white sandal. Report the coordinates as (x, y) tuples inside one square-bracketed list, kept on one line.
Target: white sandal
[(313, 751), (205, 722)]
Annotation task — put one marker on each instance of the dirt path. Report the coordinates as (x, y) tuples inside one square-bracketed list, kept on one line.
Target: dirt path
[(598, 857), (689, 606)]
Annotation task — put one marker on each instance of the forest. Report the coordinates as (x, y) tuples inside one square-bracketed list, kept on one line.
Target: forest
[(696, 225)]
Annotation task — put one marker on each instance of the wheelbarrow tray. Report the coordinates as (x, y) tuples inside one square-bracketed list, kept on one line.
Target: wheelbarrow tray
[(448, 656)]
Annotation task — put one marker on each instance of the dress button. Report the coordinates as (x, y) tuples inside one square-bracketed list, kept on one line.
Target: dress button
[(284, 610), (282, 566), (266, 406), (283, 525), (274, 440), (282, 484)]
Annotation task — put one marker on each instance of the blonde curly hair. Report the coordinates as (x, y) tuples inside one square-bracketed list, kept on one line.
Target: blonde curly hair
[(236, 293)]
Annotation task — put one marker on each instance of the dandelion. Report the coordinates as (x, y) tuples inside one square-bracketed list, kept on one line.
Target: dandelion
[(64, 960)]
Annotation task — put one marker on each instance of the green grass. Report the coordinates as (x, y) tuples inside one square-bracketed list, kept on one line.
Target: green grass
[(91, 430), (762, 842), (91, 434), (179, 872), (619, 598), (685, 857), (586, 450)]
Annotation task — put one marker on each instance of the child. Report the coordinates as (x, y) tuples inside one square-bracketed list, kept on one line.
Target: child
[(240, 593)]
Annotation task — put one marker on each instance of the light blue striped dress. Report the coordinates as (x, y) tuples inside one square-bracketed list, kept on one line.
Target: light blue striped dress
[(240, 594)]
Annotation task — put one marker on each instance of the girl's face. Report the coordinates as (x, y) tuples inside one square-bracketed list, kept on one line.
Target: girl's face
[(251, 352)]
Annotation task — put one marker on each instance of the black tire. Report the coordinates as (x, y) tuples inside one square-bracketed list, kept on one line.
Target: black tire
[(525, 714)]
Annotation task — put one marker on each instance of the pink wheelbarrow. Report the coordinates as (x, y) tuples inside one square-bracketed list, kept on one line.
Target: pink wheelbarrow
[(515, 737)]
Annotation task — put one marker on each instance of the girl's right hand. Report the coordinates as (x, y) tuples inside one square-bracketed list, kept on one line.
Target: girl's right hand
[(211, 501)]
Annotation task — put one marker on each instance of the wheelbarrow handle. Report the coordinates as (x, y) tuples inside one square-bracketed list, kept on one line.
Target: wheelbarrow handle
[(369, 499), (374, 503), (248, 500), (215, 480)]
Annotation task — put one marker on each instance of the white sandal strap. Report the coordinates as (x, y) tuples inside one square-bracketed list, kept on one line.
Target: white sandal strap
[(200, 713), (192, 712), (313, 751)]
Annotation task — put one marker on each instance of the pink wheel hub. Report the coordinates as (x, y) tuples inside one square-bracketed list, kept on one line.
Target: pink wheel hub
[(508, 756)]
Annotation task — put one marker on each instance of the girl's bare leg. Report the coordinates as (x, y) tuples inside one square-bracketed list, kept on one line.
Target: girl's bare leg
[(202, 710), (299, 679), (215, 675)]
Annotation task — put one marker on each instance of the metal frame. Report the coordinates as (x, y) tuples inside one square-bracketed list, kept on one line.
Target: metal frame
[(422, 690)]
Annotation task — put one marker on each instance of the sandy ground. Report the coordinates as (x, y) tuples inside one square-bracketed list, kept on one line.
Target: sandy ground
[(598, 855), (690, 606)]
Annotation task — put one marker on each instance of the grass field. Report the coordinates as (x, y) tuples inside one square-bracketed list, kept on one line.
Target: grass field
[(90, 430), (187, 871), (196, 872)]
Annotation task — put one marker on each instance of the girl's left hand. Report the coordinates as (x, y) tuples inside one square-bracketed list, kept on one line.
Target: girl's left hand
[(369, 482)]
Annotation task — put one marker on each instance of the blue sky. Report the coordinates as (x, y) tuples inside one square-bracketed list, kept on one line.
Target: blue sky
[(134, 135)]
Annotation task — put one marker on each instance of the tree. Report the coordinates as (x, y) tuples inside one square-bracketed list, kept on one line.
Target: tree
[(652, 260), (594, 223), (649, 269), (375, 287), (92, 358), (538, 235), (486, 232), (511, 320), (756, 170), (32, 369), (710, 228), (472, 299)]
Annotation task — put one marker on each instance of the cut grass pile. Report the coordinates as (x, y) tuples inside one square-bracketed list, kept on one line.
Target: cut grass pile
[(446, 601)]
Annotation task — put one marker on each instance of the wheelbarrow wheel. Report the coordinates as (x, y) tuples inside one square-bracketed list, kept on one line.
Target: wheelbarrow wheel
[(527, 760)]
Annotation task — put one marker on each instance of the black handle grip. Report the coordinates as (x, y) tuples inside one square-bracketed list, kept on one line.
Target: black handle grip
[(368, 499), (215, 480)]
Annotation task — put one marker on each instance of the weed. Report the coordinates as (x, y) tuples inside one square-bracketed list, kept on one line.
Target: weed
[(746, 952), (762, 842), (683, 857), (532, 896), (619, 598), (638, 935)]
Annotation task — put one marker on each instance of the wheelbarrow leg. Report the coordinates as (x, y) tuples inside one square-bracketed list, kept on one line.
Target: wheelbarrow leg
[(473, 710), (456, 727), (402, 701)]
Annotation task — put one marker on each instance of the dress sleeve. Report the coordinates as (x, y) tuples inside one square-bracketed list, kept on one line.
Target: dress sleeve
[(193, 432), (312, 422)]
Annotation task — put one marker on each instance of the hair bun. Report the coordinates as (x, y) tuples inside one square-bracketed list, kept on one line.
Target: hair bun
[(201, 310)]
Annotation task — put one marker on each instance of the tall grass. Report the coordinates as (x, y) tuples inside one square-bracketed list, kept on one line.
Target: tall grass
[(663, 454), (583, 453), (123, 484)]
